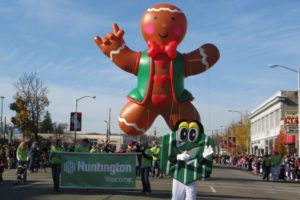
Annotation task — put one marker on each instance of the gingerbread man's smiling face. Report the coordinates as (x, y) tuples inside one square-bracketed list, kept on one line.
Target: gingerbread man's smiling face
[(163, 23)]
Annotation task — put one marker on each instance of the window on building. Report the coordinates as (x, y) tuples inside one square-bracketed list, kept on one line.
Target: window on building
[(277, 117), (272, 120)]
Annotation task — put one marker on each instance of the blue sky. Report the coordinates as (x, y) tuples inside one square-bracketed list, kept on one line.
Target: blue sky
[(55, 39)]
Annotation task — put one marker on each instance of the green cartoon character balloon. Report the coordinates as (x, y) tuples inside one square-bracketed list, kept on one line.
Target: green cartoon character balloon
[(186, 153)]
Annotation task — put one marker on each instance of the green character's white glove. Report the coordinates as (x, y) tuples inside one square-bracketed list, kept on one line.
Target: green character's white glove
[(183, 156), (208, 150)]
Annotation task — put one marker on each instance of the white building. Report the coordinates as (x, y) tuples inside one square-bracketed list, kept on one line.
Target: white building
[(268, 119)]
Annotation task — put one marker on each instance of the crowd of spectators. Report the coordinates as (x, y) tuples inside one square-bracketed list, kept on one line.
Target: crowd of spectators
[(285, 168)]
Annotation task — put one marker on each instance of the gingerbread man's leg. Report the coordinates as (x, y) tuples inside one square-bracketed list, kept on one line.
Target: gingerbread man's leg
[(183, 111), (136, 119)]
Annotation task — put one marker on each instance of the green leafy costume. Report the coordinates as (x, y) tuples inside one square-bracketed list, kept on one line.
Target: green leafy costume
[(195, 167)]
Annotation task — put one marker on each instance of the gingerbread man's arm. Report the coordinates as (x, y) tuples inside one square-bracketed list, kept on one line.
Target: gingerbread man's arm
[(201, 59), (115, 48)]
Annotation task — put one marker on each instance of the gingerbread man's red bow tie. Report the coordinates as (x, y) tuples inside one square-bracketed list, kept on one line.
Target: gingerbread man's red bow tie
[(169, 49)]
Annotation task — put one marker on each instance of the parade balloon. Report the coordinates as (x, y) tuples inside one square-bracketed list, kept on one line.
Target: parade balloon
[(160, 69)]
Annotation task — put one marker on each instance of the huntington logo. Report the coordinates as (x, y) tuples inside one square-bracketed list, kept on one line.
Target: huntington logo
[(69, 167)]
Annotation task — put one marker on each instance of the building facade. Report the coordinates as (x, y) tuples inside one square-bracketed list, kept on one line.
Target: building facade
[(268, 119)]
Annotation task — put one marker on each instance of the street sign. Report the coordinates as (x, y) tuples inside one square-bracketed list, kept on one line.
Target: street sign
[(291, 123), (291, 120), (73, 123)]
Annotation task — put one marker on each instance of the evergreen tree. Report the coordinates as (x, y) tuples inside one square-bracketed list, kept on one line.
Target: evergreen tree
[(46, 126)]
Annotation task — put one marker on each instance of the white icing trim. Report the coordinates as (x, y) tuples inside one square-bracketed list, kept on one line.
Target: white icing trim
[(163, 9), (131, 124), (117, 51), (204, 56)]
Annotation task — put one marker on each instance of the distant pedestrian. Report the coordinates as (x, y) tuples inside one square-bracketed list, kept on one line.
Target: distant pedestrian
[(276, 162), (155, 149), (266, 167), (106, 147), (297, 166), (2, 162), (146, 167), (83, 147), (22, 157), (94, 149), (56, 163)]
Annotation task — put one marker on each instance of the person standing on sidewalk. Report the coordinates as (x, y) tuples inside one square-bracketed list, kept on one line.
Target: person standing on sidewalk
[(276, 161), (155, 149), (266, 166), (2, 162), (55, 163), (146, 167)]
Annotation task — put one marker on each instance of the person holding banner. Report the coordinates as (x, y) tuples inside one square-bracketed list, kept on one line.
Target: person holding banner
[(146, 167), (83, 147), (54, 159)]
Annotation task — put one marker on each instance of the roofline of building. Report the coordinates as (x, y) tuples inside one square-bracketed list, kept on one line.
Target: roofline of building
[(277, 97)]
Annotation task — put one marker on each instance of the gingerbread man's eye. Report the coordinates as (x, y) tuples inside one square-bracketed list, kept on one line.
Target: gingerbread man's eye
[(173, 18), (155, 18)]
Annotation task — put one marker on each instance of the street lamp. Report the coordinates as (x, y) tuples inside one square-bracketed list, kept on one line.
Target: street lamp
[(298, 72), (75, 120), (107, 129), (2, 97), (236, 111), (108, 126)]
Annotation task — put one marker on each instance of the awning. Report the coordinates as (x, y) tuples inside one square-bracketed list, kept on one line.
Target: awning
[(290, 139)]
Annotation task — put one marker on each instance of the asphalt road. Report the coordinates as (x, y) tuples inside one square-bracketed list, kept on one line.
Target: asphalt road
[(225, 183)]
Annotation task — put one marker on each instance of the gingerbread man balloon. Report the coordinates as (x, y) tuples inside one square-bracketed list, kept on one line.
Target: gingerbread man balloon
[(160, 69)]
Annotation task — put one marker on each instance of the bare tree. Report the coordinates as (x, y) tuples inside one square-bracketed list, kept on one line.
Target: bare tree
[(30, 87)]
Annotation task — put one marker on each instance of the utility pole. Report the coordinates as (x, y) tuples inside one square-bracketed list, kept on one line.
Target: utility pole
[(109, 121), (108, 132), (2, 97)]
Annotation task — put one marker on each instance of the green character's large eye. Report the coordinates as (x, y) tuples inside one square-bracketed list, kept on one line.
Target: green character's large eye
[(193, 135), (182, 134)]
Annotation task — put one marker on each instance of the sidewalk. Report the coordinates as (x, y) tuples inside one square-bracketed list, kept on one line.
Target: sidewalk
[(251, 172)]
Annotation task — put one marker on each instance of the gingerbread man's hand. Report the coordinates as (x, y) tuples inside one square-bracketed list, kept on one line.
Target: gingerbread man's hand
[(112, 42)]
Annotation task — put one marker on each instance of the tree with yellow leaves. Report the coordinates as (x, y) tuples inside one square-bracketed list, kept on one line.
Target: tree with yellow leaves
[(30, 104), (21, 119)]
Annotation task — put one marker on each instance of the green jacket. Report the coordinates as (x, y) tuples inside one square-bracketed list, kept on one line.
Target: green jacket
[(55, 158), (22, 154), (81, 148), (267, 161), (276, 160), (155, 152), (145, 79), (146, 158)]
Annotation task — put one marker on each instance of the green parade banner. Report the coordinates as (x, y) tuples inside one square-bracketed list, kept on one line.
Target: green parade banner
[(98, 171)]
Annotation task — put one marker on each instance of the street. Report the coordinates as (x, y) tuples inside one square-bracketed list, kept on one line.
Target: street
[(225, 183)]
